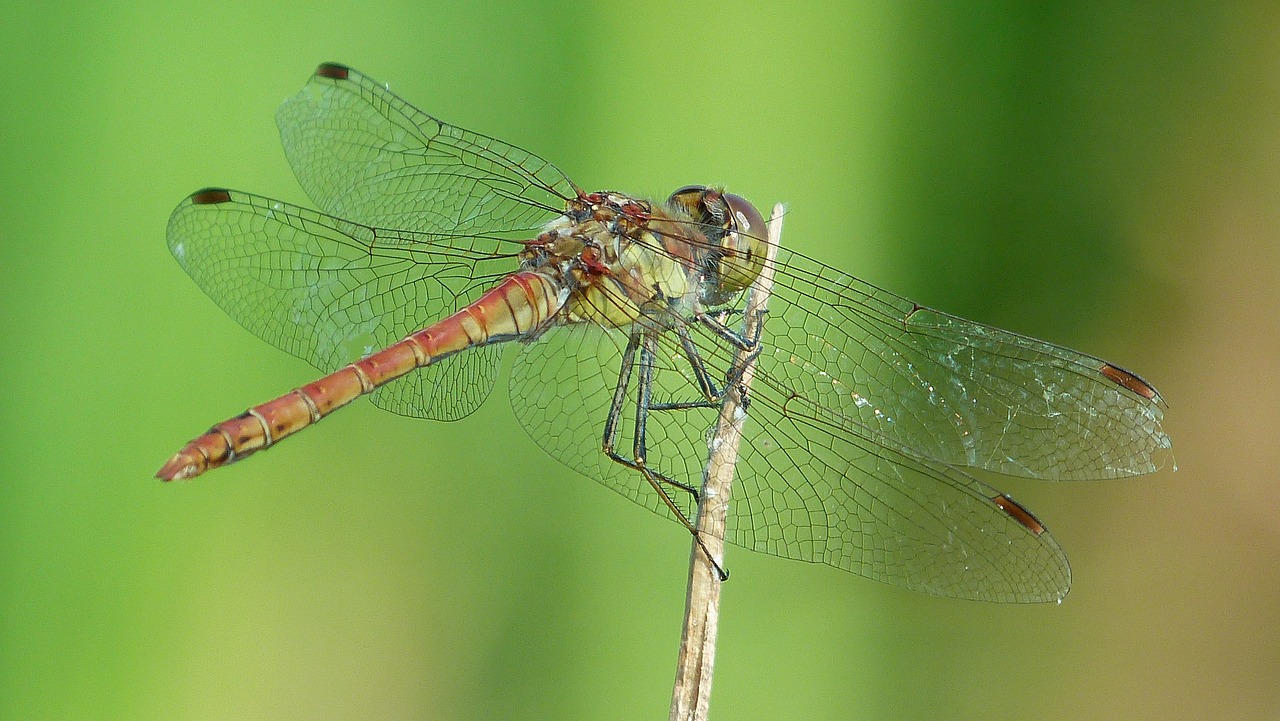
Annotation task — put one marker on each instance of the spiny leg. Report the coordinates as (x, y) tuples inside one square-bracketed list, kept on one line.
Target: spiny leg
[(645, 344), (740, 341), (700, 372), (610, 440), (751, 345), (714, 396), (619, 398), (648, 358)]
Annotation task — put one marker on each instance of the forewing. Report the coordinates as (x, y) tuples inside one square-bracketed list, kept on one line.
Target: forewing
[(363, 153), (330, 291), (951, 390)]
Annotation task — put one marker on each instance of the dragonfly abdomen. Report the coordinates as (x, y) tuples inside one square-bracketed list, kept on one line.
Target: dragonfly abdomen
[(517, 307)]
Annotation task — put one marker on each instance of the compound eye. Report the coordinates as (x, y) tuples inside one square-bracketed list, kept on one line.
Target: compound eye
[(743, 245), (743, 217)]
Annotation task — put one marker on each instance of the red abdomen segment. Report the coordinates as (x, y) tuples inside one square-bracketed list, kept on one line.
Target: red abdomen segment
[(518, 306)]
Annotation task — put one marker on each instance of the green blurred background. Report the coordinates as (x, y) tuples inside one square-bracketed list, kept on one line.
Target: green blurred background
[(1104, 177)]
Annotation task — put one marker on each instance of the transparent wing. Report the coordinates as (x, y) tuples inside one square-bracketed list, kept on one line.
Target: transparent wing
[(804, 490), (330, 291), (951, 390), (362, 153), (864, 411)]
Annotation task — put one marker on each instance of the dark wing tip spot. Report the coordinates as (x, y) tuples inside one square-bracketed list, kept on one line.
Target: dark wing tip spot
[(210, 196), (334, 71), (1018, 513), (1130, 381)]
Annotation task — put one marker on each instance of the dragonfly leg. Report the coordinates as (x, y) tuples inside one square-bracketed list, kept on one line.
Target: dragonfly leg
[(700, 373), (619, 397), (639, 450), (714, 396), (683, 405), (643, 344), (740, 341), (644, 404)]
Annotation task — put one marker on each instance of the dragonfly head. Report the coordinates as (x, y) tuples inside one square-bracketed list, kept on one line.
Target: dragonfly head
[(735, 229)]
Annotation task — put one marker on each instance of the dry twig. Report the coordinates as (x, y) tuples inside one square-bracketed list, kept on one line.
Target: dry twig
[(695, 667)]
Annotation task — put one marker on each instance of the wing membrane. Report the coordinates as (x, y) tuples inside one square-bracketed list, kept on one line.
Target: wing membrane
[(951, 390), (330, 291), (363, 153), (805, 489)]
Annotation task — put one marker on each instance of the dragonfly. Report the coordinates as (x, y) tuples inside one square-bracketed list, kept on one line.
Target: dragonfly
[(870, 417)]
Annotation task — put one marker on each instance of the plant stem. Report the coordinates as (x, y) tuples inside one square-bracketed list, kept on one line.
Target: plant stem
[(694, 670)]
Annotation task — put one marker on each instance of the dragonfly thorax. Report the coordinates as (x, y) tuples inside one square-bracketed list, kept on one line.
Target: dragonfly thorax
[(624, 260), (627, 258)]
